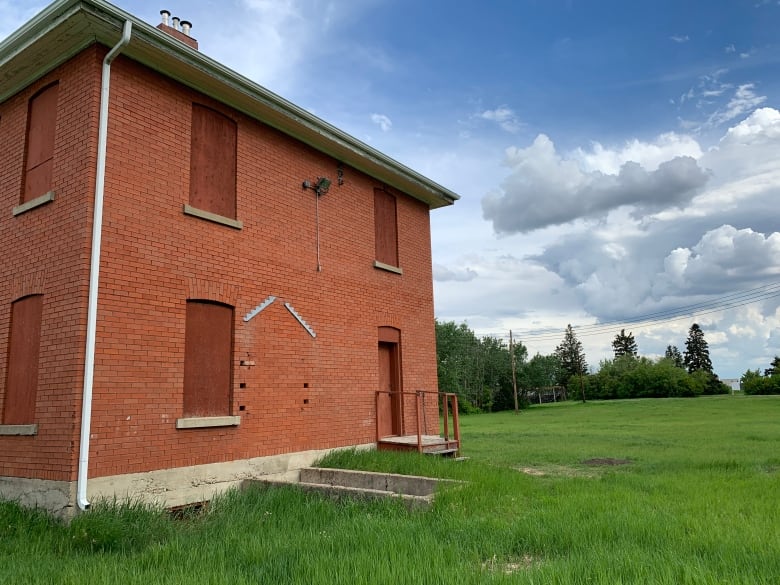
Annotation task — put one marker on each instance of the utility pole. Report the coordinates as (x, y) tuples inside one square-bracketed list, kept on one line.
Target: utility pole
[(514, 376)]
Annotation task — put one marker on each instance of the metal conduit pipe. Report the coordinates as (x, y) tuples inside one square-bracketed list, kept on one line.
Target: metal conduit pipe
[(94, 271)]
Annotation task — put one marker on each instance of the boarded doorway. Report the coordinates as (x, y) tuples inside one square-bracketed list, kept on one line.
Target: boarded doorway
[(390, 405)]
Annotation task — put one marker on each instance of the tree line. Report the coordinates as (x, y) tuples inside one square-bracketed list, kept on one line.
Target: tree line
[(752, 382), (479, 370)]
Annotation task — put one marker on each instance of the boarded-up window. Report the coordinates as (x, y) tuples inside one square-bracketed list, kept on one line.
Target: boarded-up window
[(213, 162), (385, 227), (39, 156), (24, 348), (208, 354)]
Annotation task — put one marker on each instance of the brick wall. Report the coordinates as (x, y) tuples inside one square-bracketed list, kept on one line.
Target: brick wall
[(302, 392), (46, 251)]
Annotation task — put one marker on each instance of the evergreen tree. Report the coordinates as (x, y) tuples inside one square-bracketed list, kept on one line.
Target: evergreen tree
[(697, 354), (572, 358), (673, 354), (624, 344), (774, 367)]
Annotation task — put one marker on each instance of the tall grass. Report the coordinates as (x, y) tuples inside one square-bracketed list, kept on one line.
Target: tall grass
[(694, 502)]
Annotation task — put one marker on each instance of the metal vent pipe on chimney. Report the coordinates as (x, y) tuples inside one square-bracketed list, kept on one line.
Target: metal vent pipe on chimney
[(176, 22), (186, 25), (165, 15)]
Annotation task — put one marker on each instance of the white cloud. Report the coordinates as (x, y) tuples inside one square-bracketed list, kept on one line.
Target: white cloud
[(546, 189), (14, 14), (648, 154), (680, 38), (743, 102), (725, 254), (443, 274), (623, 267), (277, 43), (504, 117), (762, 124), (730, 48), (382, 121)]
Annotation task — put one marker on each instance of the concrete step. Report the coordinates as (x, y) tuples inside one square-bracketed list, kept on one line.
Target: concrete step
[(442, 452), (414, 491)]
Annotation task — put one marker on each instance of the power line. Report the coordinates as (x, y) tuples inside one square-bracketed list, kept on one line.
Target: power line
[(725, 302)]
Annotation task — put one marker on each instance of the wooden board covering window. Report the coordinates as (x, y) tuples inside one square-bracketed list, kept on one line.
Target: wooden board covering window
[(385, 227), (41, 124), (24, 349), (213, 162), (208, 354)]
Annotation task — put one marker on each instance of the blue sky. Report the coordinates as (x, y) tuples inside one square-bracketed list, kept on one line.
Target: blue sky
[(616, 159)]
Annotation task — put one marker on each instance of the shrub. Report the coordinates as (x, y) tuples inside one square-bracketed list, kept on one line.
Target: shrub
[(754, 383), (631, 377)]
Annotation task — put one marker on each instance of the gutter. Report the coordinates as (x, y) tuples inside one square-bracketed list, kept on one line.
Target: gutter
[(94, 270)]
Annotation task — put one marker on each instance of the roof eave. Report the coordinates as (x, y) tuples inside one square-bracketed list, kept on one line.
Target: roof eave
[(66, 27)]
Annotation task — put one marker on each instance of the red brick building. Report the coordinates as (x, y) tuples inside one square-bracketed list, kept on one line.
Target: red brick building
[(184, 303)]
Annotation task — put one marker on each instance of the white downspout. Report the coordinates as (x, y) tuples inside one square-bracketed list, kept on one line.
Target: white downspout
[(94, 270)]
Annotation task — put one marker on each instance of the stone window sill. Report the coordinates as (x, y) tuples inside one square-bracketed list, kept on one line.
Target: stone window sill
[(208, 216), (202, 422), (33, 203), (388, 267), (18, 430)]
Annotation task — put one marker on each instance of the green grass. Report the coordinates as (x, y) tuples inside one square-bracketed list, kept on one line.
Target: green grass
[(696, 504)]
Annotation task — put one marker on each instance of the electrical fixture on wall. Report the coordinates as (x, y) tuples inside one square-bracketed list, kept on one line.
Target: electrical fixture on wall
[(320, 187), (340, 174)]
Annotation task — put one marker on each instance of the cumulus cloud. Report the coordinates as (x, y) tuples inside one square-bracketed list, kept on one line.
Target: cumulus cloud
[(648, 154), (724, 254), (762, 125), (546, 189), (713, 246), (504, 117), (680, 38), (723, 241), (443, 274), (382, 121)]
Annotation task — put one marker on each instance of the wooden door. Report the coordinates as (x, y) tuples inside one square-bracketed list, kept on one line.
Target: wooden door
[(389, 403)]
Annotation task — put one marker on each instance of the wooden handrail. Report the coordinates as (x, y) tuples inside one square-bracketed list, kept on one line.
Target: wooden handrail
[(449, 403)]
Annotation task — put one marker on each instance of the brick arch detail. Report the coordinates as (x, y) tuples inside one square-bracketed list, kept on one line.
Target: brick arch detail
[(198, 288), (30, 283), (389, 334)]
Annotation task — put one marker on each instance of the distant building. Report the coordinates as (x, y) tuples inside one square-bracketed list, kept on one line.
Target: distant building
[(732, 383), (261, 273)]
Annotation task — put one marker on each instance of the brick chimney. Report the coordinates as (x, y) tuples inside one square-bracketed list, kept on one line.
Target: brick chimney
[(177, 29)]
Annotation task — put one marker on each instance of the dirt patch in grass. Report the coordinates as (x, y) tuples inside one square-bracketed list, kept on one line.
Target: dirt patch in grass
[(605, 461), (555, 471), (508, 567)]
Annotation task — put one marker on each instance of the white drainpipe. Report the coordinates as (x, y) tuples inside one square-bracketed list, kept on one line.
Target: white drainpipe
[(94, 271)]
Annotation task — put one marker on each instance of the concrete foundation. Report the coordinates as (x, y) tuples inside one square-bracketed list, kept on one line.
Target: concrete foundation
[(57, 497), (166, 487)]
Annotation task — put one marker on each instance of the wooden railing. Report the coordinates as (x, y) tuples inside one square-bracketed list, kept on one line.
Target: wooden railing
[(447, 406)]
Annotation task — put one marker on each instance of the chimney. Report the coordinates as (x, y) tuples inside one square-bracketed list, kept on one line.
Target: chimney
[(173, 29)]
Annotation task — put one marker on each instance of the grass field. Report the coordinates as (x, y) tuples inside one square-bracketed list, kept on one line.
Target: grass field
[(672, 491)]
